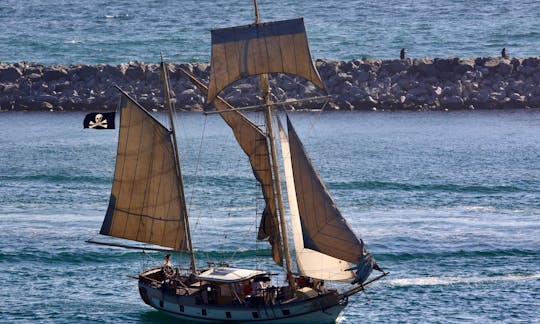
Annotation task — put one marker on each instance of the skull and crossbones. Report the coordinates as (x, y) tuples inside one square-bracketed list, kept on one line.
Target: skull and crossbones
[(100, 122)]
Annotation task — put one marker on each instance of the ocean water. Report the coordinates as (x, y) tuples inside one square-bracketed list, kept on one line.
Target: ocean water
[(447, 202), (113, 32)]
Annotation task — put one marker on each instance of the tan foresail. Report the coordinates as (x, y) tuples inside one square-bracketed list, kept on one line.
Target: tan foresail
[(254, 143), (271, 47), (310, 263), (323, 228), (145, 203)]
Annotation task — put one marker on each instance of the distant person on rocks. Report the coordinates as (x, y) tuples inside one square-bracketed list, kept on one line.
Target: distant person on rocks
[(402, 53), (503, 53)]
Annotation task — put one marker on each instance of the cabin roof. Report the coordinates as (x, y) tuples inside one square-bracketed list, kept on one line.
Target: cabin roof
[(229, 274)]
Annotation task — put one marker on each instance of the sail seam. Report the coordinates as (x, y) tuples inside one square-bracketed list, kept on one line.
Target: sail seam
[(145, 216)]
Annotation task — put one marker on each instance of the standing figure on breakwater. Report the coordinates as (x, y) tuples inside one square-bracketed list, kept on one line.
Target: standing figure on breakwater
[(503, 53), (402, 53)]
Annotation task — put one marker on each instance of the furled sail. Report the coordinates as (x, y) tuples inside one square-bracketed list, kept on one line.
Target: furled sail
[(310, 263), (270, 47), (145, 203), (254, 143), (323, 228)]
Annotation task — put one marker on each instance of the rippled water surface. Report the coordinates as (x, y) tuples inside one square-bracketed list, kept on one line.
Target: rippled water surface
[(449, 203), (113, 32)]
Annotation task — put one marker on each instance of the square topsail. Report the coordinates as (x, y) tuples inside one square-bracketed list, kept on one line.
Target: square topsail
[(271, 47)]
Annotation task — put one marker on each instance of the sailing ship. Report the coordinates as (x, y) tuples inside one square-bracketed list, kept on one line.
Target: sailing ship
[(148, 204)]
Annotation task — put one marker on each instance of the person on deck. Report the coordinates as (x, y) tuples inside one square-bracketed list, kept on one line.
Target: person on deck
[(246, 290), (256, 286), (167, 261), (167, 268)]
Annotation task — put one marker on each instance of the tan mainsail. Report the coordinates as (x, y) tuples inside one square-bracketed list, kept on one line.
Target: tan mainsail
[(323, 228), (254, 143), (270, 47), (145, 203), (310, 263)]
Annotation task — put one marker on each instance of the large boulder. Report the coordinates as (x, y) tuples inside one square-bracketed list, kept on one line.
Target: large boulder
[(395, 66), (531, 61), (110, 73), (83, 71), (10, 73), (135, 71), (451, 102), (423, 66), (54, 73)]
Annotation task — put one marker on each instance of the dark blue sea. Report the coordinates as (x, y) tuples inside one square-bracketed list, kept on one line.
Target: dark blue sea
[(448, 203), (113, 32)]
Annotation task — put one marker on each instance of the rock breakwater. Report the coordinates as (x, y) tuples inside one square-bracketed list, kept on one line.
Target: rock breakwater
[(409, 84)]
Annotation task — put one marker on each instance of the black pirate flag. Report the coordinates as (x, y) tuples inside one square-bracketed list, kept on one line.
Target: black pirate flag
[(99, 120)]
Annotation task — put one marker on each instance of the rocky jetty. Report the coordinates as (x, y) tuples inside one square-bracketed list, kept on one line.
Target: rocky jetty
[(408, 84)]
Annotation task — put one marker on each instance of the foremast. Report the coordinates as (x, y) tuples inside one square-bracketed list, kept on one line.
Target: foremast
[(178, 163)]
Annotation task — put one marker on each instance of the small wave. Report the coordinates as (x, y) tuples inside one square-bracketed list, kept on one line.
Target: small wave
[(376, 185), (445, 281), (480, 208), (72, 41), (73, 257), (57, 178), (221, 179), (453, 254), (99, 254), (118, 16)]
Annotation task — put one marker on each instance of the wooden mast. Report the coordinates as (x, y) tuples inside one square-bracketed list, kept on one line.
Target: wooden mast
[(265, 89), (178, 168)]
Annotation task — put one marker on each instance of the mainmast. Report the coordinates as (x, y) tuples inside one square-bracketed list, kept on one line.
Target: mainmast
[(178, 168), (265, 91), (256, 7)]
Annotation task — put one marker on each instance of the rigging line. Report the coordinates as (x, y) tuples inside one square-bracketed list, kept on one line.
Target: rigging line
[(232, 256), (259, 210), (195, 175), (314, 121), (152, 259), (148, 255)]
